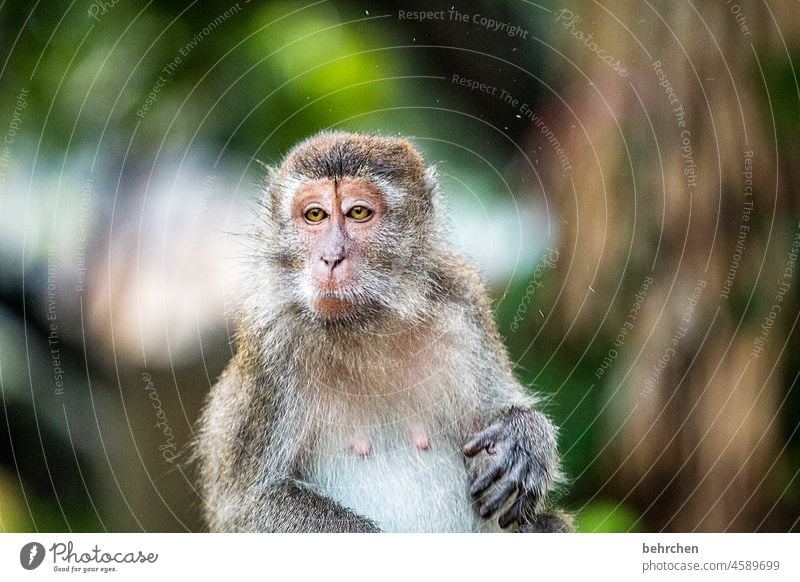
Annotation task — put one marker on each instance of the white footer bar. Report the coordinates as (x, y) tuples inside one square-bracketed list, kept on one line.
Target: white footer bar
[(399, 557)]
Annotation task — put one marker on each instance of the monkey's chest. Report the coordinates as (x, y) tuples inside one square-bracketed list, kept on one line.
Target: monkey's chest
[(401, 486)]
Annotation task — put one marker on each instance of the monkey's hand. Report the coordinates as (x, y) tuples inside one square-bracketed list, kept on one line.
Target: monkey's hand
[(521, 458)]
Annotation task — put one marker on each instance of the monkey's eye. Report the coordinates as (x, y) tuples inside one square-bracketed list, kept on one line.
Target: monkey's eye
[(359, 213), (315, 214)]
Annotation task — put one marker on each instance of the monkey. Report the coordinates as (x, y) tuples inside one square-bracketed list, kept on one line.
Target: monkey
[(370, 390)]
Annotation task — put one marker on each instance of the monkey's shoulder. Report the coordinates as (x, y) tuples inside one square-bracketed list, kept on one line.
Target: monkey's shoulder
[(459, 278), (464, 286)]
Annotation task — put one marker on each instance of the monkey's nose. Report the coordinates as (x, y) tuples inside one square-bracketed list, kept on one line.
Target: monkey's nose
[(332, 261)]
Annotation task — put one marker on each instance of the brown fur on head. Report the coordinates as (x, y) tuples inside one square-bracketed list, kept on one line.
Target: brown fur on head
[(337, 155), (348, 218)]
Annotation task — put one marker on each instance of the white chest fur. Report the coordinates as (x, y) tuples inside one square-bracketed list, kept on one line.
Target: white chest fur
[(387, 439), (401, 487)]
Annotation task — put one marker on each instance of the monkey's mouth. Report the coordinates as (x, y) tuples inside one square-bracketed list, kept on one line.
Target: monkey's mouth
[(335, 303)]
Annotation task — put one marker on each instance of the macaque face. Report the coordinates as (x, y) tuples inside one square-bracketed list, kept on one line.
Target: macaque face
[(339, 226)]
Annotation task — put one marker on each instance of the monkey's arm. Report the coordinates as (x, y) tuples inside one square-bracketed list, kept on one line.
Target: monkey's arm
[(511, 450), (291, 506), (245, 472)]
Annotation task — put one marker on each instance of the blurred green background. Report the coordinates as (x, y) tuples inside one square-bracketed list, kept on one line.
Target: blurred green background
[(624, 174)]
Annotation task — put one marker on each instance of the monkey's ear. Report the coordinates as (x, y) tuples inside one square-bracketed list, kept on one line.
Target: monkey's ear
[(266, 172), (266, 176), (431, 179)]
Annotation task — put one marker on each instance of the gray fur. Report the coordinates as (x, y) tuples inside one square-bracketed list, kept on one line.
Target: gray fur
[(422, 351)]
